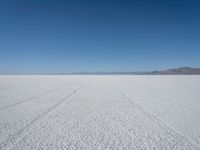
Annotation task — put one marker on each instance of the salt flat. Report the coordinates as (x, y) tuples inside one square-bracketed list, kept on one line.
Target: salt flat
[(99, 112)]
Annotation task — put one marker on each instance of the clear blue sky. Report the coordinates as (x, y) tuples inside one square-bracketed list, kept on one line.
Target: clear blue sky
[(46, 36)]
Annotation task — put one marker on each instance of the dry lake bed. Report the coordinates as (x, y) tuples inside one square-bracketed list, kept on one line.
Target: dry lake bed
[(99, 112)]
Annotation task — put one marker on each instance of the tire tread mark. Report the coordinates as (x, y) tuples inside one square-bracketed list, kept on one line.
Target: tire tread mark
[(13, 139), (31, 98), (171, 100), (159, 121)]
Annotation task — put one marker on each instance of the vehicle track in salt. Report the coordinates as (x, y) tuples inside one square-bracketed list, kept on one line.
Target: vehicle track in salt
[(13, 139), (171, 100), (32, 98), (183, 107), (169, 130)]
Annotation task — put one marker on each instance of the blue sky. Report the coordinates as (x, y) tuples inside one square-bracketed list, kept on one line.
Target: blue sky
[(46, 36)]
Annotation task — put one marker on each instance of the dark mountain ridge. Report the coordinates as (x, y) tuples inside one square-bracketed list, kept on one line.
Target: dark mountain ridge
[(173, 71), (182, 70)]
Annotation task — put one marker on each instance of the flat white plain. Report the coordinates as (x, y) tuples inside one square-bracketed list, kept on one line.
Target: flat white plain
[(99, 112)]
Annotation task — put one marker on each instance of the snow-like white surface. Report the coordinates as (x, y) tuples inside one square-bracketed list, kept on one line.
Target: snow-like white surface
[(99, 112)]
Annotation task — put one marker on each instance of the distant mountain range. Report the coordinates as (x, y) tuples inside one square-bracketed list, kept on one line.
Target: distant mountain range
[(173, 71), (181, 70)]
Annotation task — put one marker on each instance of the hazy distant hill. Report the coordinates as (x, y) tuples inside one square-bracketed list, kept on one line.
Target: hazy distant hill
[(182, 70), (173, 71)]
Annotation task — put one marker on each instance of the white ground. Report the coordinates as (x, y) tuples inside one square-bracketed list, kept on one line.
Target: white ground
[(99, 112)]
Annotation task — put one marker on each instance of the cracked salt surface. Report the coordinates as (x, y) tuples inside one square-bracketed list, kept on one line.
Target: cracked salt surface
[(99, 112)]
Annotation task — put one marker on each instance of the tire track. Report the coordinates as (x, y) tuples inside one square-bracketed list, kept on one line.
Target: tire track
[(31, 98), (171, 100), (15, 138), (169, 130)]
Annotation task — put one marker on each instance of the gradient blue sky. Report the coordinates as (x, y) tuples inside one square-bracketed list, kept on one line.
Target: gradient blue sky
[(46, 36)]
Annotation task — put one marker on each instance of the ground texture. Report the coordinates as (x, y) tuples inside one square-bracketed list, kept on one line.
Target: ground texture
[(99, 112)]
